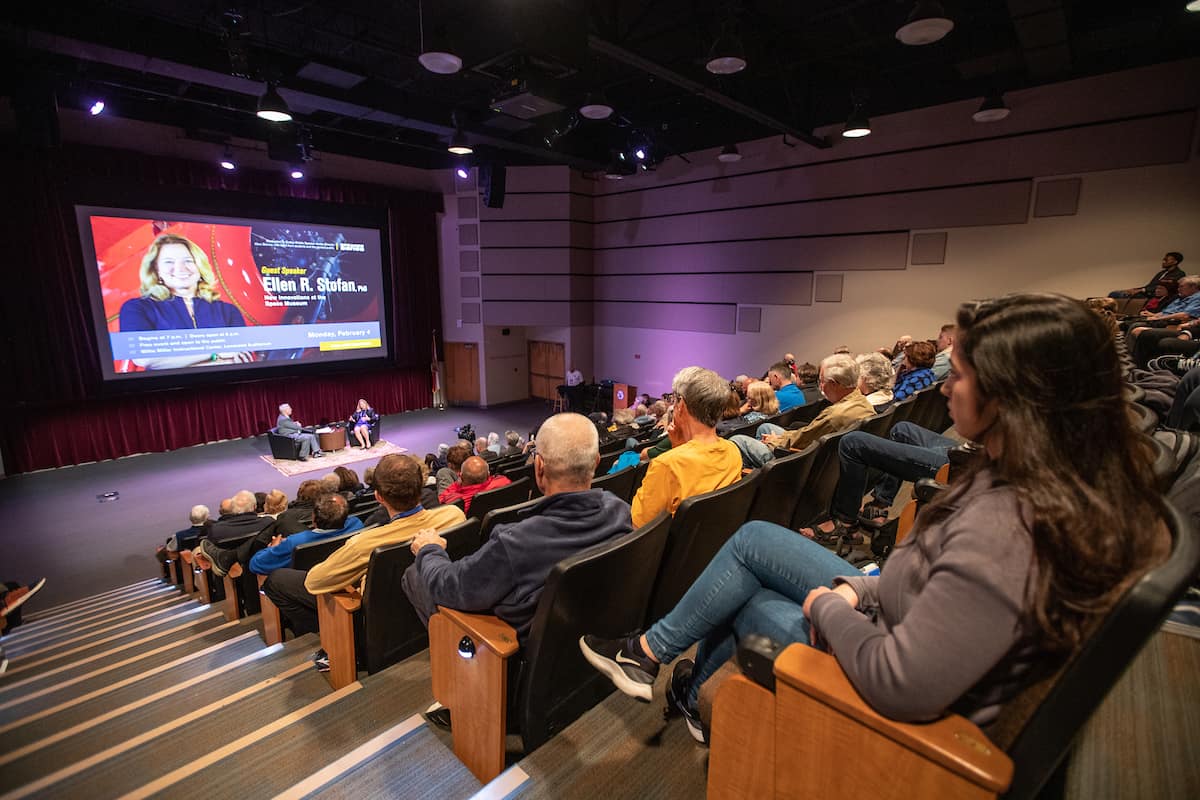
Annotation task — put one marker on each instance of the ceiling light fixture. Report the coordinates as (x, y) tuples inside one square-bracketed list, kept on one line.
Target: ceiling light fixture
[(459, 145), (857, 124), (1193, 6), (993, 109), (462, 172), (272, 107), (729, 154), (96, 108), (296, 174), (640, 154), (437, 58), (595, 106), (227, 161), (927, 23), (727, 56)]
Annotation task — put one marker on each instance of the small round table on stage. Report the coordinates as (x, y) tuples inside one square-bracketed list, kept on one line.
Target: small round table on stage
[(332, 440)]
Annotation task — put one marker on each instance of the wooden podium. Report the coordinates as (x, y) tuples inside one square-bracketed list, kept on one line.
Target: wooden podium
[(622, 395)]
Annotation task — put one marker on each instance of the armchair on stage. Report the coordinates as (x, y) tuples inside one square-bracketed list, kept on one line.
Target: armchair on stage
[(480, 674), (373, 430), (283, 447), (803, 731)]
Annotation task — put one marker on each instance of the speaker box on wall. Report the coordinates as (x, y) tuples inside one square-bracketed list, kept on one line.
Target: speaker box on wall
[(491, 185)]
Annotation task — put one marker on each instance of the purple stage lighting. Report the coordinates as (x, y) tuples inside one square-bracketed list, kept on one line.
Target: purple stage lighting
[(97, 108)]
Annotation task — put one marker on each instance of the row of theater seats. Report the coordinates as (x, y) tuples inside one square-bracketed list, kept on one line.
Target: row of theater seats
[(621, 586)]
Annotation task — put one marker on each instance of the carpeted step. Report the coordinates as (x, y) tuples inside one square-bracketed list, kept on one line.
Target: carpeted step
[(110, 756), (97, 607), (29, 644), (35, 673), (381, 718), (40, 615)]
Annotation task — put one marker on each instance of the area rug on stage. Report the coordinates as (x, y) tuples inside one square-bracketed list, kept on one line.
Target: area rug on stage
[(336, 458)]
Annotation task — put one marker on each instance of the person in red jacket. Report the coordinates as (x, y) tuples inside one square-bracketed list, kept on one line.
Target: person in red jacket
[(471, 481)]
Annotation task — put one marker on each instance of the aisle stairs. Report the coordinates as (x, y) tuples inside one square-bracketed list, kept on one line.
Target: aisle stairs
[(143, 692)]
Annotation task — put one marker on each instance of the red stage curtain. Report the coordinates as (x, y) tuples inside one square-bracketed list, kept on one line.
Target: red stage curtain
[(54, 411)]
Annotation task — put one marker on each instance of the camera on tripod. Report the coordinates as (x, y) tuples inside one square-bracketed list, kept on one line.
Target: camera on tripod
[(466, 433)]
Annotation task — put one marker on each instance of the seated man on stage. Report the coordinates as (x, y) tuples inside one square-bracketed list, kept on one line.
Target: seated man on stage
[(398, 488), (331, 517), (286, 426)]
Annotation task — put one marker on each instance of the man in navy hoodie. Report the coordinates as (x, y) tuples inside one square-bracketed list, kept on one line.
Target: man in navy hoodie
[(506, 576)]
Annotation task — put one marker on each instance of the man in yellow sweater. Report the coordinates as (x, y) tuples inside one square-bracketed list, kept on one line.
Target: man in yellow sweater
[(699, 461), (398, 489)]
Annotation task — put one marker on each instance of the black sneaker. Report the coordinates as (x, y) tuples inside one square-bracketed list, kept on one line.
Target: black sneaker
[(438, 715), (677, 702), (1169, 363), (617, 658), (212, 553), (321, 660)]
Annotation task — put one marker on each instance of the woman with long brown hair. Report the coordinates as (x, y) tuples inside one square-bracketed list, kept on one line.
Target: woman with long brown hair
[(1005, 573)]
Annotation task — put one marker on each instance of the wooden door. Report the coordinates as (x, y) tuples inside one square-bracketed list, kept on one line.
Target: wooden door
[(462, 373), (547, 369)]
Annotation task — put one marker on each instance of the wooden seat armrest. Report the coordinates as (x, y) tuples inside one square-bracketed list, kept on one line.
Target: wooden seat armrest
[(952, 742), (348, 600), (487, 629)]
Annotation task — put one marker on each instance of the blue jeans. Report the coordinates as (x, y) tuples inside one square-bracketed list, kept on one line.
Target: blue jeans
[(908, 454), (1185, 411), (756, 583), (754, 453)]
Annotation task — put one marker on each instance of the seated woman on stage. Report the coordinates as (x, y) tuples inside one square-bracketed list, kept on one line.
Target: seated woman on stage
[(1005, 573), (364, 419)]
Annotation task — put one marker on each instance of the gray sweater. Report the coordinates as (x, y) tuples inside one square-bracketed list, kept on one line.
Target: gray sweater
[(943, 628)]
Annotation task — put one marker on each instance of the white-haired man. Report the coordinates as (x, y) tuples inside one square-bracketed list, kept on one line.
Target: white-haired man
[(838, 381), (506, 576), (286, 426)]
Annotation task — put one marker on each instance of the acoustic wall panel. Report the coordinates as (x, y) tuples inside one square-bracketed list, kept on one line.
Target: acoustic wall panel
[(1057, 198), (987, 204), (469, 287), (470, 313), (858, 251), (700, 317), (537, 261), (770, 288), (468, 207), (536, 287), (929, 248), (542, 234), (468, 261), (468, 234), (542, 206), (558, 314), (827, 288), (749, 319)]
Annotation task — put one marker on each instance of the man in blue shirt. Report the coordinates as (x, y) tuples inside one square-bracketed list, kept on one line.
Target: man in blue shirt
[(1183, 308), (787, 393)]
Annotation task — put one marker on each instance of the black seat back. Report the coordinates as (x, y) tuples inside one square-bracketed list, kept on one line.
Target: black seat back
[(606, 462), (387, 629), (930, 410), (701, 525), (780, 485), (604, 591), (620, 483), (813, 500), (308, 555), (1048, 733), (878, 425), (903, 410), (751, 428), (515, 492), (503, 516)]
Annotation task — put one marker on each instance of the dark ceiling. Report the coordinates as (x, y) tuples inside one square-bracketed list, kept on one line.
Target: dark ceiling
[(199, 65)]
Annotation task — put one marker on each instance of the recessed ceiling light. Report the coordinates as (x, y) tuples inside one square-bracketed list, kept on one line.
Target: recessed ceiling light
[(729, 154), (992, 109)]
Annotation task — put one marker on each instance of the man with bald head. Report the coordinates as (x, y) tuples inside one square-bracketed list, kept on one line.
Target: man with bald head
[(506, 576), (242, 519), (473, 479)]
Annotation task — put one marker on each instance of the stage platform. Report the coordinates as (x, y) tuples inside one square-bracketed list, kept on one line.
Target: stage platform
[(62, 525)]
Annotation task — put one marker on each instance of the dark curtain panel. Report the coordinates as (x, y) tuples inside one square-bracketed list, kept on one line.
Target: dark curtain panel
[(54, 411)]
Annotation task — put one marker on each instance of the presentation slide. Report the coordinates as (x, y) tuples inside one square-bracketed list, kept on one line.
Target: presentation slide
[(192, 292)]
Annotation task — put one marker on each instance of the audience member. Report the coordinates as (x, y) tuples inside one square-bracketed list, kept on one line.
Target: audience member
[(368, 488), (788, 394), (807, 379), (330, 482), (398, 488), (481, 449), (186, 538), (1005, 574), (699, 461), (298, 516), (493, 442), (945, 343), (897, 351), (875, 377), (1185, 307), (512, 444), (1184, 413), (507, 574), (275, 504), (839, 385), (1170, 271), (916, 375), (440, 457), (455, 457), (1164, 294), (260, 501), (760, 405), (348, 484), (472, 480), (241, 521)]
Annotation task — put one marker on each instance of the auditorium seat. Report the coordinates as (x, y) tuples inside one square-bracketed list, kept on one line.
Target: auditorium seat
[(482, 677), (812, 504), (503, 516), (380, 628), (304, 557), (825, 740), (701, 525), (780, 485), (515, 492), (622, 483)]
